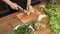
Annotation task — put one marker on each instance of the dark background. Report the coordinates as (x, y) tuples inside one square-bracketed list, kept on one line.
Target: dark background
[(5, 11)]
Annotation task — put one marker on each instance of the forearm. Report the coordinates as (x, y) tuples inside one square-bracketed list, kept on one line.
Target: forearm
[(28, 2), (7, 2)]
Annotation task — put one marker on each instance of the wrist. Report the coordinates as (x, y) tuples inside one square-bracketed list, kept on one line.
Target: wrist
[(8, 2), (28, 5), (28, 2)]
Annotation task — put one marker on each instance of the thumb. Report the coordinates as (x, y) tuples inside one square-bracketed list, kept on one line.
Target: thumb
[(27, 7)]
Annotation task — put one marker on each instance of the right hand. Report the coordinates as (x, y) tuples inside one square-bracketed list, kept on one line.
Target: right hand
[(15, 6)]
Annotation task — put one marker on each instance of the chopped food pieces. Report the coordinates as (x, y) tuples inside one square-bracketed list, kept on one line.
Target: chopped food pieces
[(42, 6), (40, 17), (38, 25)]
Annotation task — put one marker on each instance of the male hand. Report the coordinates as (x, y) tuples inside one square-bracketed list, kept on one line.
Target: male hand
[(15, 6)]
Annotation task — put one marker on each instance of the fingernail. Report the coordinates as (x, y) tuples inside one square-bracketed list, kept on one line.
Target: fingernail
[(16, 9)]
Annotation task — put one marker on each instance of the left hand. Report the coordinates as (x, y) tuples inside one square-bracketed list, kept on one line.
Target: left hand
[(30, 9)]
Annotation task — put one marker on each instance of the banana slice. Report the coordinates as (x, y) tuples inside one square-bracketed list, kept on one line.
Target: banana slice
[(40, 17), (28, 13), (25, 11), (42, 6)]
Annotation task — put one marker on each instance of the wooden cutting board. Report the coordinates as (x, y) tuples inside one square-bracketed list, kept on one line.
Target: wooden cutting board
[(27, 19), (24, 18)]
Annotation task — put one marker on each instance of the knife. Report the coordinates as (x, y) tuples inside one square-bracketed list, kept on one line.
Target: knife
[(23, 10)]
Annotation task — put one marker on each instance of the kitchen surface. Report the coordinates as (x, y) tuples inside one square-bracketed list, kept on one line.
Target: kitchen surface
[(7, 23), (45, 20)]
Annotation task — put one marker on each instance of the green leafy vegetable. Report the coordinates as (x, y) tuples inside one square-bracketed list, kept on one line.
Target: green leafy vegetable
[(23, 29), (53, 12)]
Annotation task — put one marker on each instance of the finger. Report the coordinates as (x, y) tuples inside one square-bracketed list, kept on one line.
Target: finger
[(20, 8), (16, 8), (32, 10), (27, 8)]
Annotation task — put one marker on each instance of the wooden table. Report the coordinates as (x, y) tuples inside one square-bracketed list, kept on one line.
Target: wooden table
[(7, 23)]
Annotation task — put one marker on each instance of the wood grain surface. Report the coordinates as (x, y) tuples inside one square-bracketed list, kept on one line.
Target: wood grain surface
[(7, 23)]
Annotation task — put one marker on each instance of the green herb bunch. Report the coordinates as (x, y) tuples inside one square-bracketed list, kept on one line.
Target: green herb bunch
[(23, 29), (53, 13)]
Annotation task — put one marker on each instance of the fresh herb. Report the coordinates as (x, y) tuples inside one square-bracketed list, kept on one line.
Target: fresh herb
[(23, 29), (53, 12)]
